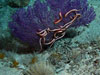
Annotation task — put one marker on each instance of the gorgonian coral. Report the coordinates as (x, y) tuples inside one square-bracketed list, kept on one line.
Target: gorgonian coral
[(45, 22)]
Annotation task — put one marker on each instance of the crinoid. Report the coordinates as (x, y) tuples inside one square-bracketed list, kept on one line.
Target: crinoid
[(57, 32), (45, 22)]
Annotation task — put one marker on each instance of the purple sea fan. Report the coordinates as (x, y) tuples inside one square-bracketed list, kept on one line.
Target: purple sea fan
[(46, 22)]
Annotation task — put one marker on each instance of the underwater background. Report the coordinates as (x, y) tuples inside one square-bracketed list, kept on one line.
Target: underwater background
[(49, 37)]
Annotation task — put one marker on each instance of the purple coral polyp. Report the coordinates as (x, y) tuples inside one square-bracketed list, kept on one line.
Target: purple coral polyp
[(46, 22)]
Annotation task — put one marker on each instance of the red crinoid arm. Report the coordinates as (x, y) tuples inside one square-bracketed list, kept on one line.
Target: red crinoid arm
[(61, 30), (42, 34), (69, 23), (60, 18), (49, 43), (73, 10)]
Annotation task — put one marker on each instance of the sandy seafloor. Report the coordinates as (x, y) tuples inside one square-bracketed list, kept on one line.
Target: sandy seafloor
[(80, 56)]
